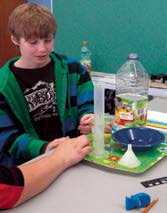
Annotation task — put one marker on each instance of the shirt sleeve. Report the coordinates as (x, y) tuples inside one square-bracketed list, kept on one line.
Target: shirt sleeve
[(18, 145), (85, 93), (11, 186)]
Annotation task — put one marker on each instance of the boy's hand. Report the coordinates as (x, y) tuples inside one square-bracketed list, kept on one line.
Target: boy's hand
[(86, 122)]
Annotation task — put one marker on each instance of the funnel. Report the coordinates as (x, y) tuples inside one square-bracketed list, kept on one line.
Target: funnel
[(129, 159)]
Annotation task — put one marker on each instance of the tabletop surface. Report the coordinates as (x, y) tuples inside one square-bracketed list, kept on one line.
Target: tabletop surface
[(90, 188)]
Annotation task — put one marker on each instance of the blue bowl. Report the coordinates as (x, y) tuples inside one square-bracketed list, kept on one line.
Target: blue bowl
[(141, 138)]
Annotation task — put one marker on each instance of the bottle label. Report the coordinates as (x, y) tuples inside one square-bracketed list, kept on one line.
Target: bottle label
[(130, 112), (87, 64)]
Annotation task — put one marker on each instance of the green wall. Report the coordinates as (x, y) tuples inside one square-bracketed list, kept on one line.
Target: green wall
[(114, 28)]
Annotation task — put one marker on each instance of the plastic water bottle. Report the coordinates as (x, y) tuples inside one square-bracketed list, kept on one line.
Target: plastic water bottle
[(131, 100), (86, 56)]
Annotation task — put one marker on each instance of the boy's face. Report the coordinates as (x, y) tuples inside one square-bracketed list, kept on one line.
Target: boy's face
[(35, 52)]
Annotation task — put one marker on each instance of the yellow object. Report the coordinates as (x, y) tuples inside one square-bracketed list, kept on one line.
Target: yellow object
[(107, 138)]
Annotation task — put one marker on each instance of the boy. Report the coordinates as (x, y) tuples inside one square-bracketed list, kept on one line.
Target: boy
[(44, 97)]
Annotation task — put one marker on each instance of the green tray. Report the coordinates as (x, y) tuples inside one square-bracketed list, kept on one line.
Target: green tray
[(116, 151)]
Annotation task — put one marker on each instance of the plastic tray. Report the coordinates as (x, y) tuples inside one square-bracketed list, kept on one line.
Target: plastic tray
[(116, 151)]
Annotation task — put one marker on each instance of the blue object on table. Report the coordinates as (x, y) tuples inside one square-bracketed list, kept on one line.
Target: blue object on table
[(139, 200), (141, 138)]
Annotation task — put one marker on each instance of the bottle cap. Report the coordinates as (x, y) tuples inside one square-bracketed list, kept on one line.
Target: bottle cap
[(133, 56), (84, 42)]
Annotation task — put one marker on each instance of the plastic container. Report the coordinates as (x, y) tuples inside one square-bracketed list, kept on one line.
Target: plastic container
[(86, 56), (131, 100)]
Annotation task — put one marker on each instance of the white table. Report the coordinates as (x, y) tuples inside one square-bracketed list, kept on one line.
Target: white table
[(86, 188)]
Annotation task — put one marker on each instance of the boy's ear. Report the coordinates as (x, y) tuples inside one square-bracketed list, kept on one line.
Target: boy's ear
[(14, 40)]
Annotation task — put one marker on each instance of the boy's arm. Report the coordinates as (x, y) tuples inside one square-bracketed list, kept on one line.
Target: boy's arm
[(85, 101), (13, 139), (85, 93)]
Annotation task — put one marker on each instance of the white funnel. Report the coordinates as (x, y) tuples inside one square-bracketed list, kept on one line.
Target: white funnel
[(129, 159)]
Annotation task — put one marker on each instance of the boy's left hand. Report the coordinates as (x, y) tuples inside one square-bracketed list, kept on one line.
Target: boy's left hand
[(86, 122)]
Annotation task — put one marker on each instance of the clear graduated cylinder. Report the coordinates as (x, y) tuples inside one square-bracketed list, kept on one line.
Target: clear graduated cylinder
[(98, 119), (98, 129), (131, 101)]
